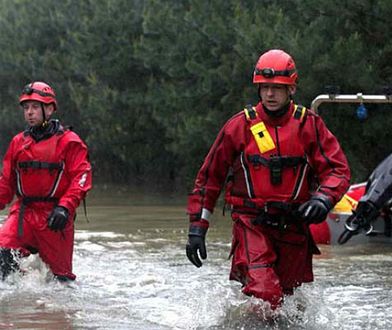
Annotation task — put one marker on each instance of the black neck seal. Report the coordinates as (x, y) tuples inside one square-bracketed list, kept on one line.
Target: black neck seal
[(39, 133), (277, 113)]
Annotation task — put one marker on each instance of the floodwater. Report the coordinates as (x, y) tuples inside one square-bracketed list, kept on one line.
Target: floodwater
[(132, 273)]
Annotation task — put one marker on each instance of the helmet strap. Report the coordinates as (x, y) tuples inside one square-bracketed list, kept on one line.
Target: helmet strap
[(258, 92), (44, 120)]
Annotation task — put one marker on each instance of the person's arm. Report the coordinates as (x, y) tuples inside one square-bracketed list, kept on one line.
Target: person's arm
[(8, 177), (329, 163), (213, 172), (330, 166), (78, 170), (208, 185)]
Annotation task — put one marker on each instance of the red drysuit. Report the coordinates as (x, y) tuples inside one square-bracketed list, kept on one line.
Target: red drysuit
[(52, 171), (301, 158)]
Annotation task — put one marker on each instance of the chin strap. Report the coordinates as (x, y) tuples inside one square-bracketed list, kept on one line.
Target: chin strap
[(45, 121)]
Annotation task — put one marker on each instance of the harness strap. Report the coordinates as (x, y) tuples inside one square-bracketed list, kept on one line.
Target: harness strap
[(269, 73), (250, 112), (25, 202), (276, 165), (288, 216), (282, 161), (85, 209), (277, 206), (40, 165), (299, 112)]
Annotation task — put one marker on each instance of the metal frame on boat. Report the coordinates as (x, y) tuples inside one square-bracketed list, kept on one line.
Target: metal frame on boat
[(329, 231), (349, 98)]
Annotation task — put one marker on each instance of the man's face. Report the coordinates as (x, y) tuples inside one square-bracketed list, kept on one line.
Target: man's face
[(33, 112), (275, 96)]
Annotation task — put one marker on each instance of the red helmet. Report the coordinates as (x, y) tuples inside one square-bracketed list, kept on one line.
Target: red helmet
[(276, 67), (38, 91)]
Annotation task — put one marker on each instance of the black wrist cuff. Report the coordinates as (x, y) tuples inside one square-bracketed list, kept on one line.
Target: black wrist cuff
[(197, 231), (325, 200)]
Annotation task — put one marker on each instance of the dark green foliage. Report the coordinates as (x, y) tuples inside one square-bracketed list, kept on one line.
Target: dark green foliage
[(149, 83)]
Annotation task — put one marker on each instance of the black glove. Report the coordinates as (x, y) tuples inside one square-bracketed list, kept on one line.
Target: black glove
[(315, 210), (196, 243), (58, 218)]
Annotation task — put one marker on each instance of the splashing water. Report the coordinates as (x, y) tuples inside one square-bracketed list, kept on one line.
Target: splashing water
[(139, 278)]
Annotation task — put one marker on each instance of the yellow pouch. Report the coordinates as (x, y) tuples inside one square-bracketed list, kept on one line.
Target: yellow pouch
[(263, 138), (345, 205)]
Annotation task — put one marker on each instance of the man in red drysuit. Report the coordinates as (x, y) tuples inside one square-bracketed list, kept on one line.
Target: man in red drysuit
[(282, 170), (47, 167)]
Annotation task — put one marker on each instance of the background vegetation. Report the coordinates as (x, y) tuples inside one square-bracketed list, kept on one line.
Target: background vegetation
[(148, 83)]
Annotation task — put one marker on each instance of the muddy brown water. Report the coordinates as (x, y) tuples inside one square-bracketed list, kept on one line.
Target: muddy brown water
[(132, 273)]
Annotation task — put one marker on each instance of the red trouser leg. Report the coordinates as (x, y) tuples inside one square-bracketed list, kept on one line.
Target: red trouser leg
[(264, 284), (253, 262), (294, 248), (9, 238), (56, 250)]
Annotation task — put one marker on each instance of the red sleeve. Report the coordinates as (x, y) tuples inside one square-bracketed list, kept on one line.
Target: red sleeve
[(328, 160), (212, 174), (78, 170), (7, 177)]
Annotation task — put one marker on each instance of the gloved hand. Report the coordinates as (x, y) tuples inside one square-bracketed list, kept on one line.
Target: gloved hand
[(196, 242), (315, 210), (58, 218)]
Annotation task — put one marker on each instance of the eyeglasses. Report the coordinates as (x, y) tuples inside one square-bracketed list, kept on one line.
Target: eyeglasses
[(270, 72), (27, 90)]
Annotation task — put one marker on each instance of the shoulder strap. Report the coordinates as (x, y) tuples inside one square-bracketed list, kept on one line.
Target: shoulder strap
[(259, 131), (300, 112), (250, 112)]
